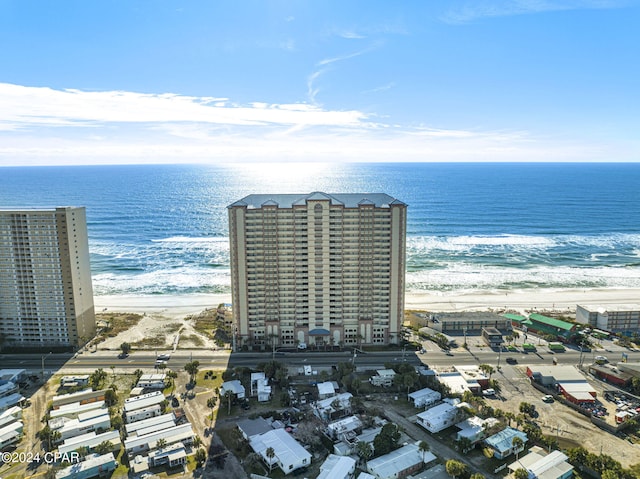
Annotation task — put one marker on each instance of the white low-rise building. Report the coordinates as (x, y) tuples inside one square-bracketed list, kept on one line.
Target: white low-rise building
[(90, 440), (10, 433), (289, 454), (143, 401), (474, 428), (336, 405), (440, 417), (383, 377), (326, 390), (344, 428), (74, 381), (73, 410), (235, 387), (92, 466), (152, 381), (260, 387), (171, 456), (164, 421), (142, 414), (540, 465), (98, 420), (400, 463), (424, 397), (337, 467), (172, 435)]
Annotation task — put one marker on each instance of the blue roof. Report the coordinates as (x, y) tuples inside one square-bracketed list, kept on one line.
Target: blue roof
[(503, 441)]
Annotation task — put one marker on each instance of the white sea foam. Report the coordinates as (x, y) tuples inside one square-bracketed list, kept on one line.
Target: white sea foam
[(188, 239)]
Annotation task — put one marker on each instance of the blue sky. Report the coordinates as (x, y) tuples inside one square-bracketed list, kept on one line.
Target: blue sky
[(128, 81)]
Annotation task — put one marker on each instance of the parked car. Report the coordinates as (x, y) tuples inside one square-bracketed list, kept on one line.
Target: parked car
[(489, 392), (512, 361), (548, 398)]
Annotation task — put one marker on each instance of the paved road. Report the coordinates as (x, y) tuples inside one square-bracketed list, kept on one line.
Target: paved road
[(87, 362)]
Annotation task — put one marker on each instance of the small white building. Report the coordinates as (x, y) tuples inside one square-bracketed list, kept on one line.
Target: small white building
[(171, 456), (336, 405), (400, 463), (10, 401), (152, 381), (326, 390), (424, 397), (82, 397), (143, 401), (474, 428), (541, 465), (502, 442), (142, 414), (92, 466), (90, 440), (74, 381), (441, 416), (343, 428), (98, 420), (164, 421), (289, 454), (172, 435), (73, 410), (235, 387), (337, 467), (260, 387), (383, 377), (10, 433), (8, 388)]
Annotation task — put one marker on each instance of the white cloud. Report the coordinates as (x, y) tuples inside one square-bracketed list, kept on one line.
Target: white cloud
[(46, 126), (475, 9)]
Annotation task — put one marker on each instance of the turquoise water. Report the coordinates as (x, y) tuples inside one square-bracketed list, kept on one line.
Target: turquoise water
[(158, 229)]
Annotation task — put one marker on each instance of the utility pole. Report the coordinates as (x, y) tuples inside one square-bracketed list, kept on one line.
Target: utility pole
[(43, 358)]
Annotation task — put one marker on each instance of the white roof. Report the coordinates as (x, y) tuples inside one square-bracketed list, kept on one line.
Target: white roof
[(437, 411), (388, 373), (171, 435), (399, 460), (542, 465), (11, 400), (89, 440), (287, 449), (337, 467), (88, 463), (75, 408), (234, 386), (73, 424), (346, 424), (426, 392), (343, 398), (326, 388), (168, 419), (474, 425), (146, 400)]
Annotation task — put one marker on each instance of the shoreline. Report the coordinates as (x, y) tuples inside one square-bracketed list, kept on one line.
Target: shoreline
[(179, 306)]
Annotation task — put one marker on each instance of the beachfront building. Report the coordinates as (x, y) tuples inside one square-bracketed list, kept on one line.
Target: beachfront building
[(46, 294), (317, 269), (621, 318), (459, 323), (545, 326)]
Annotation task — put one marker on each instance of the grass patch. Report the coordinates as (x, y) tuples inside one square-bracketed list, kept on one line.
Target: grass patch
[(172, 327), (193, 339), (150, 342)]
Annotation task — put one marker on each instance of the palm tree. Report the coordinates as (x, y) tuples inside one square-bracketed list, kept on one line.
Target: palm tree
[(161, 443), (408, 380), (211, 404), (487, 369), (364, 450), (516, 444), (521, 473), (270, 453), (228, 396), (423, 447), (455, 468)]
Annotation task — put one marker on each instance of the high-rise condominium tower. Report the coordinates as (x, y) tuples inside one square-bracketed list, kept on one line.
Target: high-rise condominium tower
[(46, 295), (319, 269)]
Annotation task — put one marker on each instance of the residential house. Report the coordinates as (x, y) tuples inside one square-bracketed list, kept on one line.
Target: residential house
[(171, 456), (383, 377), (541, 465), (424, 397), (289, 455), (143, 401), (142, 414), (332, 407), (400, 463), (474, 428), (326, 390), (90, 440), (502, 442), (260, 387), (171, 435), (152, 381), (343, 428), (337, 467), (441, 416), (82, 397), (92, 466), (235, 387)]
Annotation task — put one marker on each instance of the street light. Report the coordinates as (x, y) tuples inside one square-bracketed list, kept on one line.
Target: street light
[(43, 358)]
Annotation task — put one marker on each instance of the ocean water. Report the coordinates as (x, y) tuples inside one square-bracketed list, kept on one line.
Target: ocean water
[(159, 229)]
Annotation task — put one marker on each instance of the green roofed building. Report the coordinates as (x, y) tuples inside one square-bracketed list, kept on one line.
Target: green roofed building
[(562, 330)]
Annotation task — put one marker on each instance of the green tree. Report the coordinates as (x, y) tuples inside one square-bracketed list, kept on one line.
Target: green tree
[(125, 348), (97, 378), (516, 444), (270, 453), (192, 368), (211, 404), (423, 447), (200, 456), (110, 397), (104, 447), (477, 475), (137, 374), (229, 397), (408, 380), (387, 439), (455, 468), (521, 473), (161, 443), (487, 369), (364, 451), (465, 444)]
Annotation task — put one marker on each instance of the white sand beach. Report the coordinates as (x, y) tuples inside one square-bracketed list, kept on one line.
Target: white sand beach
[(179, 306)]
